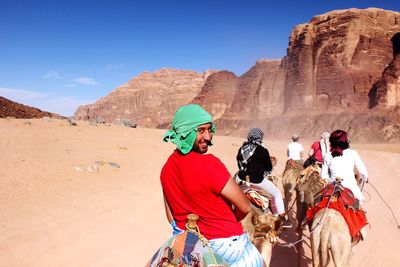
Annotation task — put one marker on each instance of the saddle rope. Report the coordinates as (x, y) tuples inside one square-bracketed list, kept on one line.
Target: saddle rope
[(191, 226), (390, 208)]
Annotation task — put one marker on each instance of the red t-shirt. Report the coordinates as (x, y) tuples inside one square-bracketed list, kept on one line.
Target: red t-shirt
[(317, 151), (192, 183)]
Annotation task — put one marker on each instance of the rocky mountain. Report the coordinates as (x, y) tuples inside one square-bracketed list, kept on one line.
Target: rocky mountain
[(342, 66), (259, 93), (218, 93), (10, 108), (385, 93), (149, 99), (334, 60)]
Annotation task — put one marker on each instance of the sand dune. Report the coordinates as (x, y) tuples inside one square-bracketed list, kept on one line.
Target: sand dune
[(59, 208)]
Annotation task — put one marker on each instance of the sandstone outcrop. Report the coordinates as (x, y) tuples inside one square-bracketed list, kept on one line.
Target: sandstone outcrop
[(259, 93), (386, 91), (10, 108), (341, 70), (150, 99), (334, 60), (361, 127), (218, 92)]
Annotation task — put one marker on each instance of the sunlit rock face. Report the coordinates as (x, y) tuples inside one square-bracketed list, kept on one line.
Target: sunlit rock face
[(16, 110), (386, 91), (341, 71), (335, 59), (150, 99), (218, 93), (259, 93)]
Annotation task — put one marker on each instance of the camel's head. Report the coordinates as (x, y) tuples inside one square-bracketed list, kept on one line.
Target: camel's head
[(265, 223)]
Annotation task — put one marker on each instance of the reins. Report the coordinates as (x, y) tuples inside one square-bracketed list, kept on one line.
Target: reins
[(292, 244), (291, 207), (390, 208)]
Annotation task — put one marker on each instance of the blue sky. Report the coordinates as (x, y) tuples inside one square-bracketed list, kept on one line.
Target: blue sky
[(56, 55)]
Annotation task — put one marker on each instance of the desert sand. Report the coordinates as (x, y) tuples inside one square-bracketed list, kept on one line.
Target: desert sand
[(58, 207)]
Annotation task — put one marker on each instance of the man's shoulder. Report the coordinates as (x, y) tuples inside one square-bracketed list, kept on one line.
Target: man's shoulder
[(262, 149), (297, 145), (350, 152), (202, 157), (210, 157)]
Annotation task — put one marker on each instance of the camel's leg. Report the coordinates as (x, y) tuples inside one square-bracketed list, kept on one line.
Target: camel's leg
[(315, 243), (324, 243), (288, 190), (288, 182), (300, 215)]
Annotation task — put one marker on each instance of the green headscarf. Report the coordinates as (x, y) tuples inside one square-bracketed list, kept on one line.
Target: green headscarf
[(184, 126)]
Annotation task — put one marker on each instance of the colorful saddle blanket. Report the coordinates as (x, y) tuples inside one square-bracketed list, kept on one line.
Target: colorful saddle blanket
[(343, 202), (185, 249), (256, 196)]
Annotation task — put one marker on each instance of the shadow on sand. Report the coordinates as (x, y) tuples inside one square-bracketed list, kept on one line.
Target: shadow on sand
[(285, 256)]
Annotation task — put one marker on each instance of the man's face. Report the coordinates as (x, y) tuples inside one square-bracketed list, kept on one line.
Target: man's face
[(203, 139)]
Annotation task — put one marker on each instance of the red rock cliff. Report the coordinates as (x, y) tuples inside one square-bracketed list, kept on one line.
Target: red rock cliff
[(150, 99), (334, 60)]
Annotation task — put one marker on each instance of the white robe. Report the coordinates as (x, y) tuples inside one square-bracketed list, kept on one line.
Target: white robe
[(343, 167)]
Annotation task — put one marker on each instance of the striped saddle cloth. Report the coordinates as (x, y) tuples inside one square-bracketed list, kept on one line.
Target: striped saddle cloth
[(185, 249)]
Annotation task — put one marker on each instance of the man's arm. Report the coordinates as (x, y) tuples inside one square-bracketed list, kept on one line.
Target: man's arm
[(236, 197), (311, 152)]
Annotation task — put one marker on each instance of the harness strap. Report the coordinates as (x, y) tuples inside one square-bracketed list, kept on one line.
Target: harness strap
[(271, 235)]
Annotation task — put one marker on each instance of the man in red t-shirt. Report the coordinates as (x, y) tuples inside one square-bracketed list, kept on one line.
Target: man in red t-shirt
[(199, 183)]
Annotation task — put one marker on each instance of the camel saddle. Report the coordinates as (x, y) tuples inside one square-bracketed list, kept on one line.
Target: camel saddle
[(188, 249), (341, 199), (342, 194), (257, 197)]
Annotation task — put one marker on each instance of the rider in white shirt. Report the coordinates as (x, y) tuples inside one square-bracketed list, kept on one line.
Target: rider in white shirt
[(295, 150), (340, 162)]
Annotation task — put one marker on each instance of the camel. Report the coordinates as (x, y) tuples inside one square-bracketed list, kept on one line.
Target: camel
[(330, 233), (263, 229), (290, 177), (309, 185), (300, 185)]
